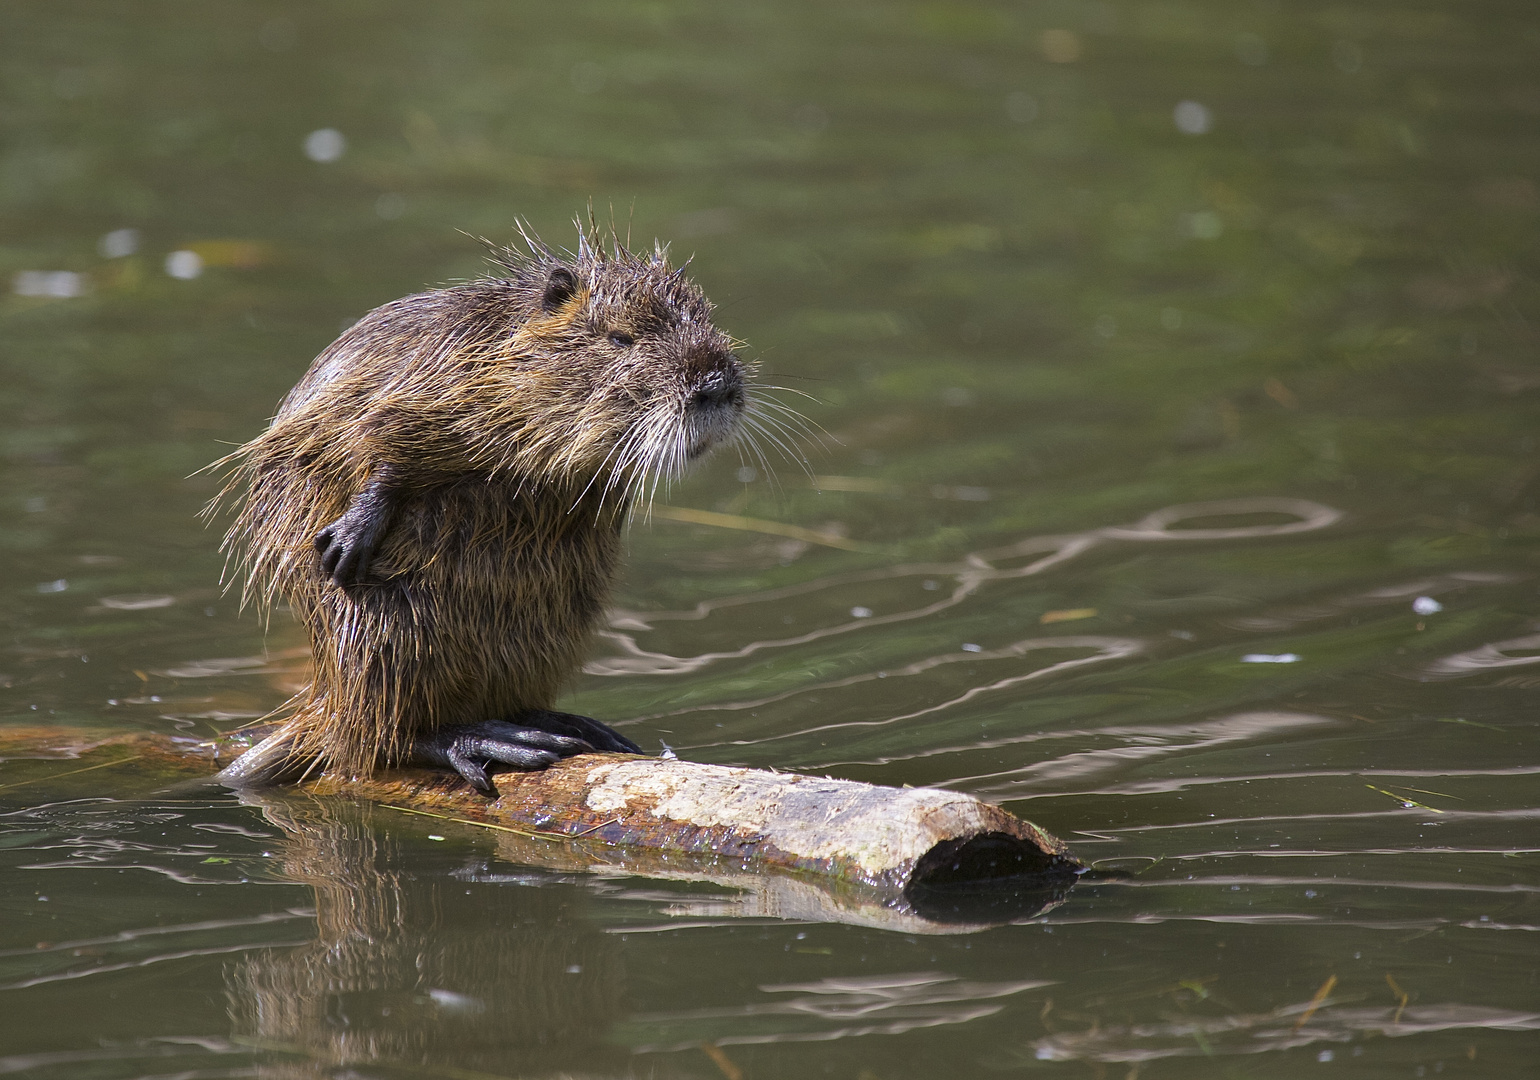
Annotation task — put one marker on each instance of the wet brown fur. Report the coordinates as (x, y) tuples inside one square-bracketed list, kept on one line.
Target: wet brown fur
[(524, 435)]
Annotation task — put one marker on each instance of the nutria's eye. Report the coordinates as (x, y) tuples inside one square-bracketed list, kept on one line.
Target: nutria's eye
[(623, 340)]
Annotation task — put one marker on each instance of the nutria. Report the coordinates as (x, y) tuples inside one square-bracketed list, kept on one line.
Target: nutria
[(440, 499)]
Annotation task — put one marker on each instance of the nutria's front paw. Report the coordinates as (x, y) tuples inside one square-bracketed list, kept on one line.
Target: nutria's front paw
[(468, 750), (345, 547)]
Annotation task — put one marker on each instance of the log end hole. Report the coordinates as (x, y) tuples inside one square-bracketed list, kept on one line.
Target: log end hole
[(987, 877)]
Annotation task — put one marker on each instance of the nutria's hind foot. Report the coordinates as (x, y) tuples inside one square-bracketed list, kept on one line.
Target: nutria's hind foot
[(543, 739), (601, 738)]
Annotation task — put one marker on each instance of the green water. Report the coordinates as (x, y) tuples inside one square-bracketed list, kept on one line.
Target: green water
[(1033, 311)]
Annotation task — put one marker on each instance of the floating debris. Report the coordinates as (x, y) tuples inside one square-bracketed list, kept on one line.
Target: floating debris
[(1316, 1002), (326, 145), (1406, 803), (50, 284), (1067, 615), (1192, 118), (118, 243), (137, 601), (184, 265)]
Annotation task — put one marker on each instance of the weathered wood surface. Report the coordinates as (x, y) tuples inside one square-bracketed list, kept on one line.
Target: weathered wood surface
[(878, 836), (876, 847)]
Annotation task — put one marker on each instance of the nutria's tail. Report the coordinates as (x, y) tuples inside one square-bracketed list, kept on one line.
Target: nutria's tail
[(277, 759)]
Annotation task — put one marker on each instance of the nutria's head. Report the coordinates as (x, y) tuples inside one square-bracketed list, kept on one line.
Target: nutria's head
[(611, 368)]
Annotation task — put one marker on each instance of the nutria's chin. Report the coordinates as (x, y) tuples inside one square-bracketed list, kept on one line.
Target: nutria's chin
[(440, 500)]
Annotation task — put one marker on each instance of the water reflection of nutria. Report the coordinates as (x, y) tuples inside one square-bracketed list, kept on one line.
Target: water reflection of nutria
[(412, 965)]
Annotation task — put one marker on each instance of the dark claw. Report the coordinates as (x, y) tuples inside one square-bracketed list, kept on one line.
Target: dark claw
[(329, 550), (346, 547), (602, 738), (468, 750), (544, 739), (474, 772)]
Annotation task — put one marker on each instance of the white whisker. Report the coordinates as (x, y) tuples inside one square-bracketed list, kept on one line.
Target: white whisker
[(758, 424), (789, 390), (801, 424)]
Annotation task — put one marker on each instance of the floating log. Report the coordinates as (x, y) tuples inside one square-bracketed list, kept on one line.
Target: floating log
[(872, 851)]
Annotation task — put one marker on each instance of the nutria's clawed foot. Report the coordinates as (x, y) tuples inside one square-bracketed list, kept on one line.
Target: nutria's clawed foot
[(469, 749), (347, 545), (343, 558)]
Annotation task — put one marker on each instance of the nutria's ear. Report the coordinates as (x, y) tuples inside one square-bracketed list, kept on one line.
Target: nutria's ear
[(559, 288)]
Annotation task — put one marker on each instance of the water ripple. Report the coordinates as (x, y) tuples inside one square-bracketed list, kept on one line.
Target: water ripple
[(1486, 658), (971, 572), (1282, 1029)]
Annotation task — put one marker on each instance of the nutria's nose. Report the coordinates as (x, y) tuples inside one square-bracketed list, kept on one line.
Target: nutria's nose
[(718, 389)]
